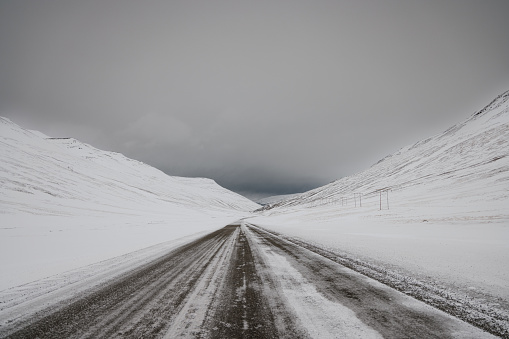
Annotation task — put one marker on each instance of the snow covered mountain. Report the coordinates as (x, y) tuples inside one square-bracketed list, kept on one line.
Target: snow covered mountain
[(65, 204), (469, 162), (41, 175)]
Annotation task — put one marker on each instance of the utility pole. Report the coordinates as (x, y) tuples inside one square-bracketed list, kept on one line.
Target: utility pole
[(386, 190), (355, 195)]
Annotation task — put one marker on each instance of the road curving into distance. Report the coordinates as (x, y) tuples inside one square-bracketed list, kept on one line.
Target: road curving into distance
[(241, 282)]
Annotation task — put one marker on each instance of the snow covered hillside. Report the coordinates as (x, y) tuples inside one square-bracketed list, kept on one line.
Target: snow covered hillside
[(436, 211), (53, 172), (469, 161), (64, 203), (275, 199)]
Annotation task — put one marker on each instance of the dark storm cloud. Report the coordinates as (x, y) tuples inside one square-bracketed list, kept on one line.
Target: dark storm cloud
[(262, 96)]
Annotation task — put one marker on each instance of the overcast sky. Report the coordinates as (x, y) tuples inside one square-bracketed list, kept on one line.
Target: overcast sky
[(265, 97)]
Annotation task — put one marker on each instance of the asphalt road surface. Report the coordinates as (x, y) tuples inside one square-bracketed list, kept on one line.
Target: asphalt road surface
[(241, 282)]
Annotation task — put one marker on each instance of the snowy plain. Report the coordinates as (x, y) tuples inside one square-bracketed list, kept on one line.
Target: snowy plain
[(436, 211)]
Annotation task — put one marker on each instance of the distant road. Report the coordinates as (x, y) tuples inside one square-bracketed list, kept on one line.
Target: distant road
[(241, 282)]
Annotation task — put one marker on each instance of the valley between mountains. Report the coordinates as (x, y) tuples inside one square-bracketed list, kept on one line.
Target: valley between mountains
[(96, 245)]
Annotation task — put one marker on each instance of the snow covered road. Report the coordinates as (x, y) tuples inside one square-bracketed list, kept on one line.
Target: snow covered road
[(240, 282)]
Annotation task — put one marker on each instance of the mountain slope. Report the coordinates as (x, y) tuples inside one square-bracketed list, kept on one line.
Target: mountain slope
[(469, 160), (275, 198), (48, 173)]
